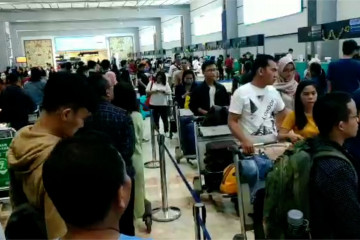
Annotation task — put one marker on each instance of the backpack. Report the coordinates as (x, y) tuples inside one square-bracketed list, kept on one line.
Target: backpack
[(287, 185), (228, 183)]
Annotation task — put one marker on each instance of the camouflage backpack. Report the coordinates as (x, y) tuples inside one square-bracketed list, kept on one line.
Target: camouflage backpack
[(287, 185)]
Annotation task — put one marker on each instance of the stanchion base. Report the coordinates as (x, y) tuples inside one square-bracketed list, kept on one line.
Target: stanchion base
[(239, 237), (172, 214), (152, 164)]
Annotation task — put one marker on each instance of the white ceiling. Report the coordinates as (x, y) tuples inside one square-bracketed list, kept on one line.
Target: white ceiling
[(66, 4)]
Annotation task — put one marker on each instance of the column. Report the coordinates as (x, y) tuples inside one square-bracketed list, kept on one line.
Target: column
[(230, 8), (325, 13), (16, 44), (186, 29), (137, 41), (4, 58), (158, 37)]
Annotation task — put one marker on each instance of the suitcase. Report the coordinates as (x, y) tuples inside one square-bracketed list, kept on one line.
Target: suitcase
[(187, 134)]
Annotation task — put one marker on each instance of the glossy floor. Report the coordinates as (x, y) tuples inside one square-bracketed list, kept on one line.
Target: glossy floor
[(222, 221)]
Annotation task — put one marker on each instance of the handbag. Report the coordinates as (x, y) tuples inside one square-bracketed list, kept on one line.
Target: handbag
[(147, 102)]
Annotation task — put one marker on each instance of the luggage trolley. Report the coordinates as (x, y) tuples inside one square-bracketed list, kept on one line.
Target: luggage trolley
[(203, 136), (246, 195), (186, 137), (6, 136)]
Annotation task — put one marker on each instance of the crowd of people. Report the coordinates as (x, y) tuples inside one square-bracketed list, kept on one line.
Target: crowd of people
[(80, 164)]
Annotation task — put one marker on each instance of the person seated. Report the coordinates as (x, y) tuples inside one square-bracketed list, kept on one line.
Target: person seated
[(334, 182), (208, 93), (183, 90), (286, 83), (254, 105), (90, 206), (299, 124)]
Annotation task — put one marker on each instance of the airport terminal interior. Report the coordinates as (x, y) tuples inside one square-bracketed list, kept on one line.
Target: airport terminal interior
[(179, 119)]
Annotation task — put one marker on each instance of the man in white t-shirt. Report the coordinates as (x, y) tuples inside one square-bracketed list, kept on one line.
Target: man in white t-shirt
[(253, 106)]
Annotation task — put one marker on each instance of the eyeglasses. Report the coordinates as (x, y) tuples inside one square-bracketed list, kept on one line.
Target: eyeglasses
[(354, 116)]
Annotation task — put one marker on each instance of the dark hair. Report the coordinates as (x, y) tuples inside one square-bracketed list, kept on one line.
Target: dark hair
[(228, 55), (261, 61), (349, 46), (67, 90), (125, 97), (81, 64), (123, 63), (206, 64), (91, 64), (12, 78), (316, 71), (247, 66), (187, 72), (26, 222), (163, 77), (185, 58), (105, 64), (330, 110), (291, 50), (35, 74), (98, 85), (141, 65), (300, 117), (74, 195), (68, 66)]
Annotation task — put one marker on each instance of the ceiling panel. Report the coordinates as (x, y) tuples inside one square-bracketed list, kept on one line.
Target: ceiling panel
[(130, 3), (7, 6), (78, 5), (21, 6), (35, 6), (64, 5), (93, 4), (105, 4), (46, 5), (54, 5)]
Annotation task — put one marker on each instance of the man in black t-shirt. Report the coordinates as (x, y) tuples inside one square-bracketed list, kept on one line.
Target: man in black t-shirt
[(143, 80)]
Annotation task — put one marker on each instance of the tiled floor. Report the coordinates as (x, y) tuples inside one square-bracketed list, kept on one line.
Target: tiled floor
[(222, 221)]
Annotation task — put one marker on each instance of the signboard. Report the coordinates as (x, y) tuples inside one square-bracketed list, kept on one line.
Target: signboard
[(4, 173), (330, 31)]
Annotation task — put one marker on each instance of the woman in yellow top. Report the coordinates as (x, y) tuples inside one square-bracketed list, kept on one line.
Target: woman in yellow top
[(299, 124)]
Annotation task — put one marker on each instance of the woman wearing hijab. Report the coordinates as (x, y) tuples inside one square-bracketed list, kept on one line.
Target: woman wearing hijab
[(286, 83)]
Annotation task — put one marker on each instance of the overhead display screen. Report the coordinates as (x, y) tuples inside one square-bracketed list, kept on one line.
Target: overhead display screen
[(80, 43), (261, 10)]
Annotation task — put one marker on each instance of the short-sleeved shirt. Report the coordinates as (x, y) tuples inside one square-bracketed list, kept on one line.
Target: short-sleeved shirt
[(257, 107), (310, 129), (344, 75)]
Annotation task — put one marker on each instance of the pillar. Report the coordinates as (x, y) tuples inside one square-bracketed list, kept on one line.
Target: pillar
[(186, 29), (326, 12), (4, 57)]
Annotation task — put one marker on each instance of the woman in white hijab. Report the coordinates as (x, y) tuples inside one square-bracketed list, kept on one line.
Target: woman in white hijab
[(286, 83)]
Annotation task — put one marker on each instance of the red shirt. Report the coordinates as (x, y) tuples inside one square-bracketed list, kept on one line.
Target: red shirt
[(229, 63)]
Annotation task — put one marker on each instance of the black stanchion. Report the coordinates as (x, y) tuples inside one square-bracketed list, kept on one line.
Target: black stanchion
[(153, 163), (164, 213)]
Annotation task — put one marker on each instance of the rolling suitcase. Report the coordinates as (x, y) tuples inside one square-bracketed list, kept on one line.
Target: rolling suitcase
[(187, 134)]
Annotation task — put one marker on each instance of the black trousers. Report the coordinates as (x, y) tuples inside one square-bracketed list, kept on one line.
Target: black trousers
[(161, 111), (126, 223)]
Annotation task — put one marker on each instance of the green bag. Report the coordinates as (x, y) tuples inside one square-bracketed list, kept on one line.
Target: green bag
[(287, 185)]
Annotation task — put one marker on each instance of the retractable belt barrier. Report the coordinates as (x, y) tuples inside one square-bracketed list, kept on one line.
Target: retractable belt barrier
[(166, 213)]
